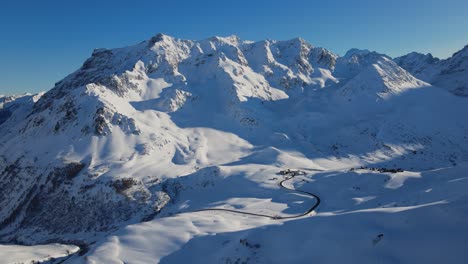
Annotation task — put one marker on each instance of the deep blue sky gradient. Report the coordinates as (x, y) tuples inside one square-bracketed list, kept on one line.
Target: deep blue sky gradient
[(43, 41)]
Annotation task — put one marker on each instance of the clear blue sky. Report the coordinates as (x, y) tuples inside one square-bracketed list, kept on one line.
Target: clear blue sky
[(43, 41)]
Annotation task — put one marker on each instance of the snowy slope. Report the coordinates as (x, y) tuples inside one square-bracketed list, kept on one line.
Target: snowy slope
[(17, 107), (119, 154), (378, 79), (368, 218), (450, 74), (422, 66), (34, 254)]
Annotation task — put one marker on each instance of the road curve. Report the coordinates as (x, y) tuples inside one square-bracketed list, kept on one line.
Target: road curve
[(312, 208)]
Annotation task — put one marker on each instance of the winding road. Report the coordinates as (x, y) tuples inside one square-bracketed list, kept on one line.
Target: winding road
[(289, 175), (281, 184)]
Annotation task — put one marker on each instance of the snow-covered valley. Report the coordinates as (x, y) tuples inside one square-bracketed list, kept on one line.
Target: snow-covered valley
[(121, 155)]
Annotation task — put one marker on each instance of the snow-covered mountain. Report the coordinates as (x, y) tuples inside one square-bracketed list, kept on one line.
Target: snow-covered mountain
[(450, 73), (108, 158)]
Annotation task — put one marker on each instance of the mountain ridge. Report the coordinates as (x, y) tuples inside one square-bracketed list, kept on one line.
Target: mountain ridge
[(139, 133), (449, 73)]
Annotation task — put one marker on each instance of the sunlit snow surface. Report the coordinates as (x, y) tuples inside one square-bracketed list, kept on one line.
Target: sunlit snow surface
[(412, 219), (158, 130), (33, 254)]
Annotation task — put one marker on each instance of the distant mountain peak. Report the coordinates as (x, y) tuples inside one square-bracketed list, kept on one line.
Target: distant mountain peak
[(450, 74), (463, 52), (232, 39), (159, 37), (356, 52)]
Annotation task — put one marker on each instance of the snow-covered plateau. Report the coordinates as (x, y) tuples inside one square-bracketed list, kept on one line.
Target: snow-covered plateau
[(299, 154)]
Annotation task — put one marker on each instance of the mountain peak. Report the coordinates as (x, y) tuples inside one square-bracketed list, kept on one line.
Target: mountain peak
[(358, 52), (298, 39), (416, 56), (461, 53), (298, 42), (449, 73), (232, 39), (160, 37)]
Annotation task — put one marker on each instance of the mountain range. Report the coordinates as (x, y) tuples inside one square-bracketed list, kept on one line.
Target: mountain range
[(118, 156)]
